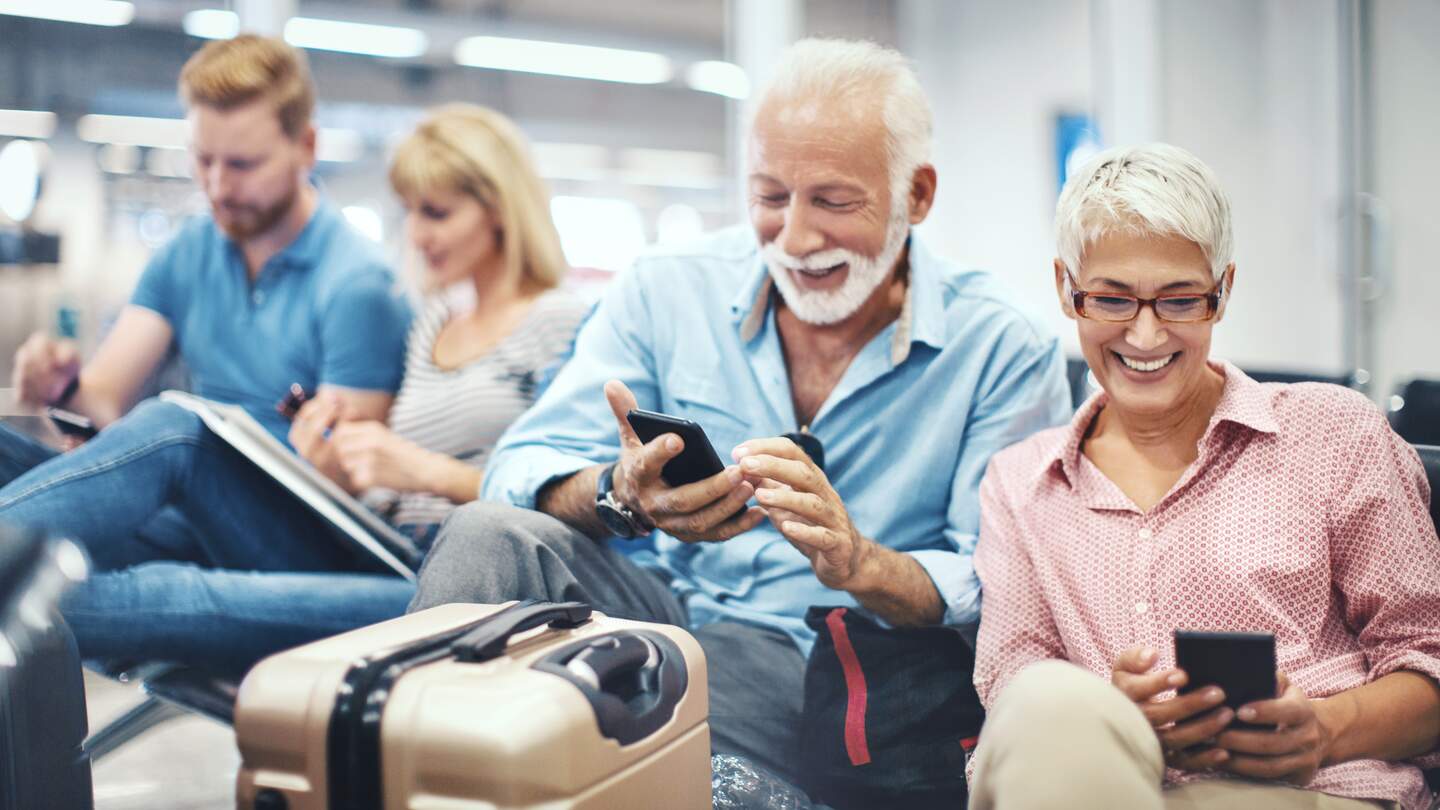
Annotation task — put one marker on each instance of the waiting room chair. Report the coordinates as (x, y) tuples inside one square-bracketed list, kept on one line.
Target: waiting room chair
[(1415, 411), (1430, 458)]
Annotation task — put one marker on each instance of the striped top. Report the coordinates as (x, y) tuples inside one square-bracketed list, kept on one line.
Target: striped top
[(461, 412)]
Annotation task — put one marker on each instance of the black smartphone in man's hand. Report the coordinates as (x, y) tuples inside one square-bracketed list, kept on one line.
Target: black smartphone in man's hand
[(696, 462), (1241, 664)]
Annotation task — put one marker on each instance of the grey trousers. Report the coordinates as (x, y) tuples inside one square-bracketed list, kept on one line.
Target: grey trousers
[(489, 553)]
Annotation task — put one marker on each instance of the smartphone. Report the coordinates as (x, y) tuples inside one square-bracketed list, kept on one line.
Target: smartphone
[(71, 423), (696, 462), (1241, 664)]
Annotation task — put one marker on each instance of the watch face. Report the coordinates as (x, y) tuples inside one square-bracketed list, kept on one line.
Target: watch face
[(615, 520)]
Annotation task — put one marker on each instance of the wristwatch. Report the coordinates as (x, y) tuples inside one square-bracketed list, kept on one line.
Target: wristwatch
[(620, 519)]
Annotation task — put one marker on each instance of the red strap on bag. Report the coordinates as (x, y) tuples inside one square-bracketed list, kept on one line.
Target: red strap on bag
[(855, 744)]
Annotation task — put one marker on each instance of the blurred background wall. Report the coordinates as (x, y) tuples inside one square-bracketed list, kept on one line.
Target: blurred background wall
[(1318, 115)]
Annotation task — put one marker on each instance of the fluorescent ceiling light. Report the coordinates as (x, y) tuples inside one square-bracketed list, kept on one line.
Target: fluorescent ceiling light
[(90, 12), (335, 145), (212, 23), (720, 78), (132, 130), (563, 59), (362, 38), (27, 123)]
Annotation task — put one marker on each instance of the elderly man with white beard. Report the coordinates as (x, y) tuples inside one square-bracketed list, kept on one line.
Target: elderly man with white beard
[(827, 316)]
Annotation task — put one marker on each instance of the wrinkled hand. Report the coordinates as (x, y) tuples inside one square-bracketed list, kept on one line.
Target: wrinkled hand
[(703, 511), (1187, 725), (1292, 751), (310, 436), (43, 368), (798, 499), (372, 455)]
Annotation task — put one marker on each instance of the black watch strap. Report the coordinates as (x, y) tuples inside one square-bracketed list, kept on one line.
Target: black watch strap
[(606, 481)]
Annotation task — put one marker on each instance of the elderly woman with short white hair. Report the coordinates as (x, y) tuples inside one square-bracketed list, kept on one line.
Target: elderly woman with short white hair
[(1187, 496)]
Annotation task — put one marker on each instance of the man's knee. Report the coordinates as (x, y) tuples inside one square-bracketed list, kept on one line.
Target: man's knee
[(161, 419), (481, 549), (485, 530)]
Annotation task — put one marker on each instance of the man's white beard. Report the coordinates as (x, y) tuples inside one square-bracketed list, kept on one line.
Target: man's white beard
[(863, 275)]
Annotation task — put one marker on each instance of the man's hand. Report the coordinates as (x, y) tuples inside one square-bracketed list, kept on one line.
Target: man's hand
[(43, 368), (1188, 724), (372, 455), (711, 509), (798, 499), (1293, 751)]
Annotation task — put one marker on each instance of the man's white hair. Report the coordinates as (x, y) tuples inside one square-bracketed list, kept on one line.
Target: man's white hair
[(861, 73), (1156, 189)]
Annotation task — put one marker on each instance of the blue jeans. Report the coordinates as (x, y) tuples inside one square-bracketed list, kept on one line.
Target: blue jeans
[(166, 536), (222, 621), (157, 485)]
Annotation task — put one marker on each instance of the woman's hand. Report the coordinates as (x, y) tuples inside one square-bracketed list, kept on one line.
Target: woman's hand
[(1186, 725), (310, 433), (1293, 751), (372, 455)]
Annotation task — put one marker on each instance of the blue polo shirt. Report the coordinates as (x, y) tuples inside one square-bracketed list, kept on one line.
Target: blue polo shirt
[(323, 311), (907, 431)]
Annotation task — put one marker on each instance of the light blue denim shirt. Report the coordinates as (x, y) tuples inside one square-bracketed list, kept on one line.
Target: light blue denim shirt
[(907, 431)]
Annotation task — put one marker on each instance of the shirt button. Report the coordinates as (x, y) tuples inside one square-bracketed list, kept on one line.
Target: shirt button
[(258, 297), (1146, 534), (1141, 607)]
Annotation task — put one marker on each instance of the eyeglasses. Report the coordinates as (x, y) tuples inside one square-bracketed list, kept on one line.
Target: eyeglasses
[(1120, 307)]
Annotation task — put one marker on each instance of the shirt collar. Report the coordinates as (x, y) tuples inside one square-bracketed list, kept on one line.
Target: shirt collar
[(922, 316), (1243, 402), (309, 246)]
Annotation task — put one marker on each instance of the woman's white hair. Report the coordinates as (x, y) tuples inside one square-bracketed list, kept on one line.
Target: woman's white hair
[(854, 72), (1156, 189)]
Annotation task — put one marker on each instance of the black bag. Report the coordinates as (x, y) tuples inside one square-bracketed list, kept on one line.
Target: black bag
[(890, 714), (42, 692)]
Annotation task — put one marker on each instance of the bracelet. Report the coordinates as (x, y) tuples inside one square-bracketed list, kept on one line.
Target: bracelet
[(70, 389)]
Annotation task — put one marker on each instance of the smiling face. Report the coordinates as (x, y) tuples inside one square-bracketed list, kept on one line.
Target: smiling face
[(249, 169), (455, 233), (819, 198), (1146, 365)]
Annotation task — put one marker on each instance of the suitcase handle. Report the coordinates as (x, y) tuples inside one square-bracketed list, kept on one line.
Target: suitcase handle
[(489, 639), (607, 657)]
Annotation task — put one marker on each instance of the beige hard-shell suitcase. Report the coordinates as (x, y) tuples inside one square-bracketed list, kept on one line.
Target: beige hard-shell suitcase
[(480, 706)]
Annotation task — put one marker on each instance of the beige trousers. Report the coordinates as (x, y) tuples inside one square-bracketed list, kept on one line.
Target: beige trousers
[(1061, 737)]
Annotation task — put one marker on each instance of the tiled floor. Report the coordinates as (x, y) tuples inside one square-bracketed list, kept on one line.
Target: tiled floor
[(187, 763)]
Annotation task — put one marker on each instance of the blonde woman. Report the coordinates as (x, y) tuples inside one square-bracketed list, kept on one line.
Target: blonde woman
[(476, 214)]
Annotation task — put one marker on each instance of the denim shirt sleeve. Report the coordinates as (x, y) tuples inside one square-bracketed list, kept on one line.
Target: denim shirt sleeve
[(1029, 393), (571, 427)]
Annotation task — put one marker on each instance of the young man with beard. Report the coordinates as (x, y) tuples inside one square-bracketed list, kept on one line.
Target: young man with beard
[(270, 290), (827, 316)]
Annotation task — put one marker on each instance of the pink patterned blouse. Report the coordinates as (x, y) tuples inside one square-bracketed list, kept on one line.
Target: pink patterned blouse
[(1304, 515)]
